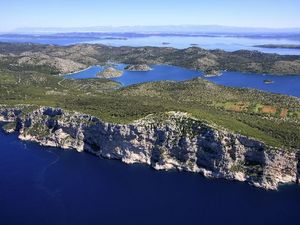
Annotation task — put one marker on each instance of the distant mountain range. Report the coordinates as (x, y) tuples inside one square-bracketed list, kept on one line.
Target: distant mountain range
[(179, 29)]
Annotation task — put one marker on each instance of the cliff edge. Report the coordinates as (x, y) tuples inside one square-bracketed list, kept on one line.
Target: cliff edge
[(173, 140)]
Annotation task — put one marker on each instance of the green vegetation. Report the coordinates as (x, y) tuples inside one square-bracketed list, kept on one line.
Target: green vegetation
[(271, 118), (38, 130), (237, 168), (11, 126), (58, 59)]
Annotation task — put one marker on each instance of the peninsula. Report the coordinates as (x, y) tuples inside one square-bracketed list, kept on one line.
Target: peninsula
[(138, 67), (195, 125)]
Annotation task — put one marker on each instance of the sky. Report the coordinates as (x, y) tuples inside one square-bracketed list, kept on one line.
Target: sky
[(84, 13)]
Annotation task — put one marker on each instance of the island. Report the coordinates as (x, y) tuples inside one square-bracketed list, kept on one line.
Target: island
[(194, 125), (165, 43), (110, 72), (138, 67), (212, 73), (268, 81), (116, 38), (287, 46)]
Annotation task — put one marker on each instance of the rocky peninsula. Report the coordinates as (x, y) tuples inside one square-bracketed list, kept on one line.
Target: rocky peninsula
[(193, 125), (173, 140), (138, 67)]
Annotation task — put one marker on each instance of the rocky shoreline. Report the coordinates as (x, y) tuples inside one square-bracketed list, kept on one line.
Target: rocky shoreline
[(170, 141)]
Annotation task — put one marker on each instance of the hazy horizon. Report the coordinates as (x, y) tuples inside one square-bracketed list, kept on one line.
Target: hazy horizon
[(32, 14), (184, 28)]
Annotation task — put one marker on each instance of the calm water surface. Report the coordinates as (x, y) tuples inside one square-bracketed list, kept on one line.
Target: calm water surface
[(220, 42), (50, 186), (223, 42), (289, 85)]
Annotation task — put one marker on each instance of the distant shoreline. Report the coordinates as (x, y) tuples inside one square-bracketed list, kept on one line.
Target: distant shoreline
[(286, 46)]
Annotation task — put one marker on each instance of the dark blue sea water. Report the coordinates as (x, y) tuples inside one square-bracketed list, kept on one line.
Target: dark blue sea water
[(51, 186), (289, 85)]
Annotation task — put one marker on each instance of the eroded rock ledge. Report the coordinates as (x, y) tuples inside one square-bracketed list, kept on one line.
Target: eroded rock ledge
[(170, 141)]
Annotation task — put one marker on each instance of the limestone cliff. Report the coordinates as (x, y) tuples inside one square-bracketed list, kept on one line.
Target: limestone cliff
[(173, 140)]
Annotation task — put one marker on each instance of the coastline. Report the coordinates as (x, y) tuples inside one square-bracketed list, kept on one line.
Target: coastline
[(117, 142), (79, 71)]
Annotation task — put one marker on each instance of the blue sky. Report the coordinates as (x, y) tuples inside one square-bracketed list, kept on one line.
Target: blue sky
[(83, 13)]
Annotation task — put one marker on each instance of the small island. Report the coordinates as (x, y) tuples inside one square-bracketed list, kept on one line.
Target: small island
[(116, 38), (212, 73), (110, 72), (268, 81), (138, 67), (287, 46), (165, 43)]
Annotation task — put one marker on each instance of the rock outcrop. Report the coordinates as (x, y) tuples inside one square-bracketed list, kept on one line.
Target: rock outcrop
[(62, 65), (173, 140)]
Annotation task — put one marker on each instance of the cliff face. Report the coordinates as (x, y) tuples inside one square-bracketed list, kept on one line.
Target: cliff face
[(170, 141)]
